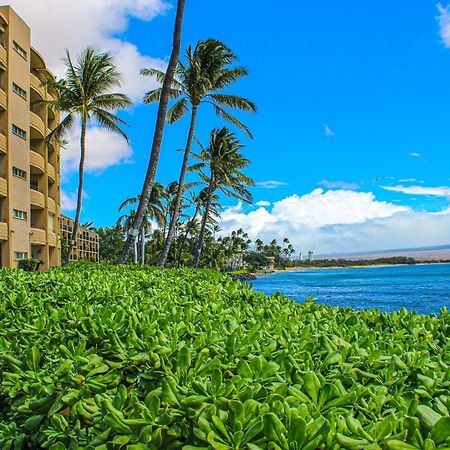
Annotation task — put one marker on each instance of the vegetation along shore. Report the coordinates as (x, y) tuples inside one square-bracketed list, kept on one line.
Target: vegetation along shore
[(100, 357)]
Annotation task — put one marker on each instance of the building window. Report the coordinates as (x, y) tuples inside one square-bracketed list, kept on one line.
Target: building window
[(19, 173), (18, 214), (18, 90), (20, 255), (19, 132), (19, 50)]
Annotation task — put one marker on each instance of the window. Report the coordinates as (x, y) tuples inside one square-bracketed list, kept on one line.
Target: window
[(18, 214), (19, 173), (18, 90), (20, 255), (19, 132), (19, 50)]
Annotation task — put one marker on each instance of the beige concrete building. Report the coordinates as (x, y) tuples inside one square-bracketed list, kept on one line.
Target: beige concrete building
[(87, 241), (29, 171)]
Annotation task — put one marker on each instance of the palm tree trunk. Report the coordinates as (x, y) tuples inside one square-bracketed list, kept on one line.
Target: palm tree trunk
[(135, 252), (201, 238), (142, 245), (183, 240), (158, 135), (73, 239), (180, 191)]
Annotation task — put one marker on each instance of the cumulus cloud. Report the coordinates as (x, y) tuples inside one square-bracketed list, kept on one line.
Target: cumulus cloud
[(414, 154), (103, 149), (328, 131), (100, 23), (263, 203), (341, 221), (68, 201), (270, 184), (338, 185), (444, 23), (439, 191)]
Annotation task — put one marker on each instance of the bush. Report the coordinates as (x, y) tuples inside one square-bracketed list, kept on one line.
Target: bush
[(103, 357), (30, 265)]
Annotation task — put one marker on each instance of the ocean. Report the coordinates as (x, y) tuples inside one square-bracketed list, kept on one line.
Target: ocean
[(421, 288)]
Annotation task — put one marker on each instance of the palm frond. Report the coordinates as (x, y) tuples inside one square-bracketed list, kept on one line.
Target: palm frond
[(177, 111), (220, 112)]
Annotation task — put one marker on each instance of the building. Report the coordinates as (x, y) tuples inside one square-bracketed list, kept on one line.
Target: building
[(29, 170), (87, 246)]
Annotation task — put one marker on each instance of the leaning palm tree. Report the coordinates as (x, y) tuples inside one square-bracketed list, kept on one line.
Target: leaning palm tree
[(158, 134), (224, 162), (200, 81), (155, 213), (85, 93)]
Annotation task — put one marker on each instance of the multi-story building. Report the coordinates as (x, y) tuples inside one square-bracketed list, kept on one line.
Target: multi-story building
[(87, 246), (29, 169)]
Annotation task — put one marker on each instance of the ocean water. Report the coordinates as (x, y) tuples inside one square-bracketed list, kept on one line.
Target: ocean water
[(422, 288)]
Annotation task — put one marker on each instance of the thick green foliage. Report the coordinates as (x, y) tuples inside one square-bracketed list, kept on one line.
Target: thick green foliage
[(102, 357)]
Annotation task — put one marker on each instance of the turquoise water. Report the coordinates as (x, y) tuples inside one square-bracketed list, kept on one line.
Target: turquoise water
[(422, 288)]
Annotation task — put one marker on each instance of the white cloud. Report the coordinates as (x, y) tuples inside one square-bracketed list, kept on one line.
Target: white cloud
[(444, 23), (328, 131), (270, 184), (414, 154), (409, 180), (81, 23), (439, 191), (103, 149), (263, 203), (338, 184), (341, 221), (68, 201)]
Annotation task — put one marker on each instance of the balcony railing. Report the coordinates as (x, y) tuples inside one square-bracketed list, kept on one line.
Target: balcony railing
[(2, 99)]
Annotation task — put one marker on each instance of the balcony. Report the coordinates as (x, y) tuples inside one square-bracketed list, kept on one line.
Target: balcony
[(36, 85), (3, 102), (37, 124), (3, 56), (37, 235), (3, 187), (51, 205), (3, 230), (51, 238), (37, 199), (51, 173), (3, 143), (37, 162)]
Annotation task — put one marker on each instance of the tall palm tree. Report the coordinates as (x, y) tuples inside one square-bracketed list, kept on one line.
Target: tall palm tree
[(124, 223), (155, 212), (201, 80), (158, 134), (224, 162), (85, 93)]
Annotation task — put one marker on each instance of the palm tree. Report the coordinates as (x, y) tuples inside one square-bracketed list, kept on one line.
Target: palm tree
[(124, 223), (155, 212), (158, 134), (200, 81), (85, 92), (225, 163)]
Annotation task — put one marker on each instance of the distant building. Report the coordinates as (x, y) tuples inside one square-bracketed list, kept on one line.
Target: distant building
[(87, 246)]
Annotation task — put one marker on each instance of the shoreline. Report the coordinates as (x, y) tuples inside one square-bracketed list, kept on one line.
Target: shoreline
[(302, 268)]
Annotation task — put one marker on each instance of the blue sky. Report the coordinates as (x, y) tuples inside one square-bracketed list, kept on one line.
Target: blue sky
[(353, 97)]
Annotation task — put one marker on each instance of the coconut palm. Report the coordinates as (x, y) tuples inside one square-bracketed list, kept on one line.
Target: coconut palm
[(85, 94), (224, 162), (200, 81), (158, 134), (155, 213), (124, 223)]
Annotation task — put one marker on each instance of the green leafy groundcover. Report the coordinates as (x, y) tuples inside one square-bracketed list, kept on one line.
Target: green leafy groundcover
[(103, 357)]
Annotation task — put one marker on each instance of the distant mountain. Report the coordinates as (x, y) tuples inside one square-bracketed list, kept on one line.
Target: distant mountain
[(425, 253)]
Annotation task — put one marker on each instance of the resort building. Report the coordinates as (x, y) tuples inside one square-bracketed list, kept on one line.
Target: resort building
[(87, 246), (29, 170)]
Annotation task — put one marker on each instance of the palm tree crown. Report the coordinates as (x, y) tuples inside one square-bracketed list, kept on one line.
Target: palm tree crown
[(201, 80)]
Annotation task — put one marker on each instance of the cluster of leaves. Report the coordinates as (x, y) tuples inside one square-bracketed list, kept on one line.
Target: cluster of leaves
[(30, 264), (103, 357)]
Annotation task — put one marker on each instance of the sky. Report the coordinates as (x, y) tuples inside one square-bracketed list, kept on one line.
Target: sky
[(352, 134)]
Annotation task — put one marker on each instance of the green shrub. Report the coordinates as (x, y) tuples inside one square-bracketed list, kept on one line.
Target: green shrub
[(103, 357), (30, 265)]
